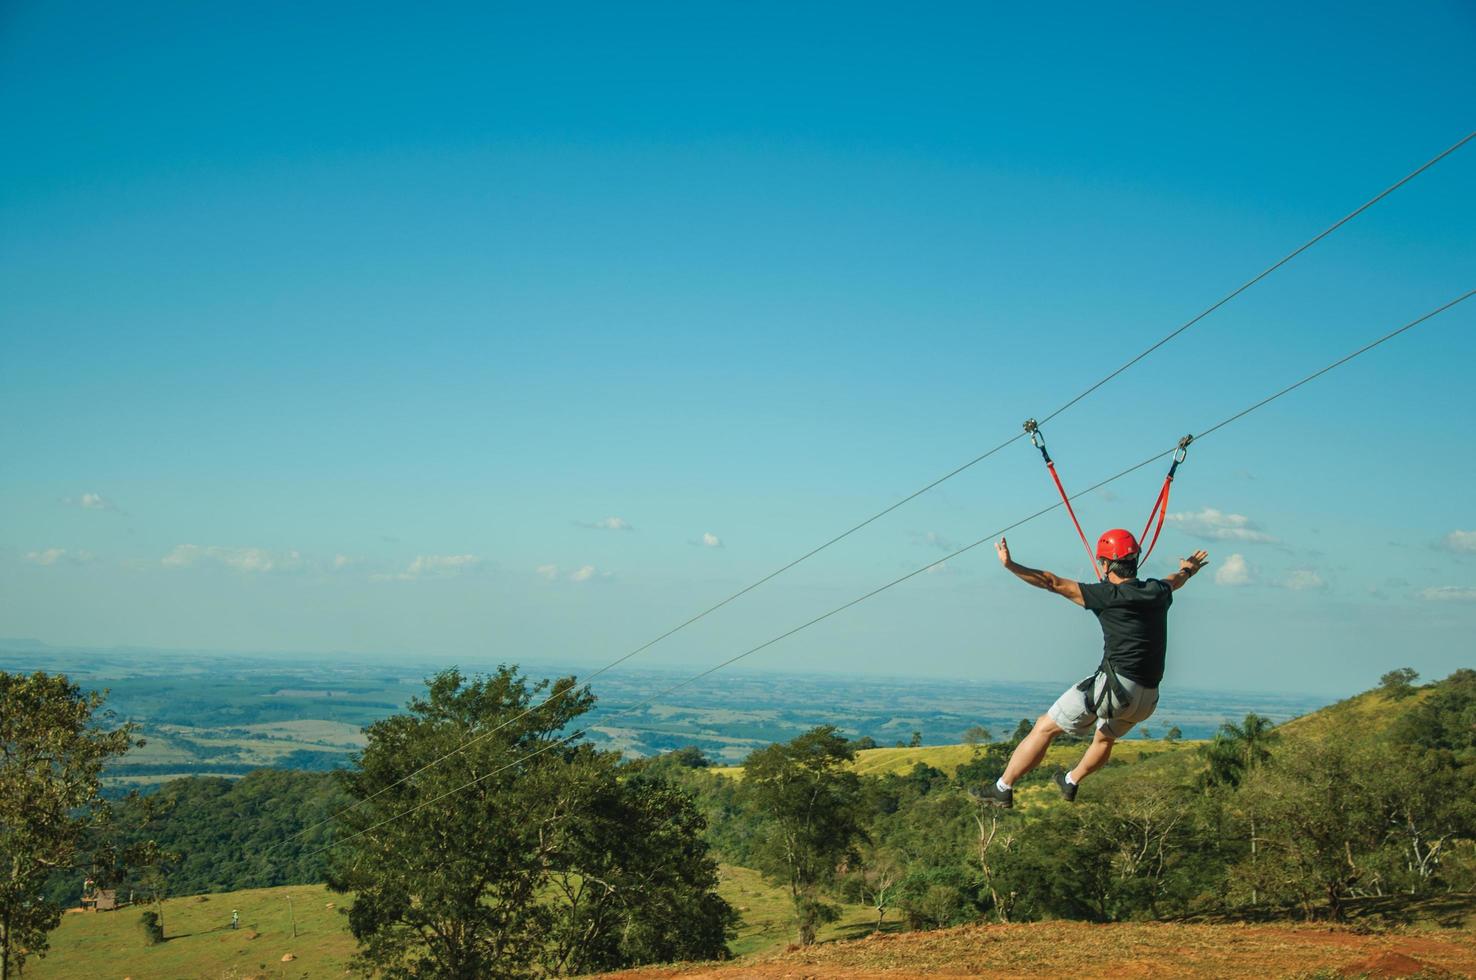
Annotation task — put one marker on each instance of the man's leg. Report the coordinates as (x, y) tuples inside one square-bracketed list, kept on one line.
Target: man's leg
[(1031, 750), (1096, 756)]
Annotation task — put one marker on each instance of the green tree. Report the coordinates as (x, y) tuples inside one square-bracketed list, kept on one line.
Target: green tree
[(635, 883), (1234, 754), (811, 821), (1173, 734), (54, 744), (526, 854), (1399, 683), (915, 741), (1319, 813), (874, 880), (976, 735), (1445, 719), (1238, 749)]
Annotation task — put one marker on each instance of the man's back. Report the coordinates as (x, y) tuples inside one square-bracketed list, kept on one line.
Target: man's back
[(1134, 619)]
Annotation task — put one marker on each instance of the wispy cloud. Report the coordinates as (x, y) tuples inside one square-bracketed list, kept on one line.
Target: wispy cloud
[(584, 573), (433, 567), (1461, 542), (1449, 593), (932, 539), (710, 540), (1216, 525), (1235, 570), (58, 556), (608, 524), (1303, 579), (340, 562), (247, 560), (90, 501)]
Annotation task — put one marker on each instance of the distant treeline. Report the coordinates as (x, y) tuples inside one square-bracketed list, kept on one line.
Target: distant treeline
[(227, 834)]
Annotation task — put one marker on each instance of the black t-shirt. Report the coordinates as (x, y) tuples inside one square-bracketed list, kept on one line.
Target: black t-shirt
[(1134, 618)]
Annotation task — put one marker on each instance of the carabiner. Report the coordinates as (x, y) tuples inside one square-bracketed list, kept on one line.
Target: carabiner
[(1183, 450)]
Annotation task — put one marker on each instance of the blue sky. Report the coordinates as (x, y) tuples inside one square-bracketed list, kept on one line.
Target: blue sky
[(476, 333)]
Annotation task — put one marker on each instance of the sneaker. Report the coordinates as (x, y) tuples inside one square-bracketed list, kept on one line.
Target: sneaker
[(1068, 790), (991, 795)]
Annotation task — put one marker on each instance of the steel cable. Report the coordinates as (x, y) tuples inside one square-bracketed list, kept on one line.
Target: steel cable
[(945, 477), (876, 591)]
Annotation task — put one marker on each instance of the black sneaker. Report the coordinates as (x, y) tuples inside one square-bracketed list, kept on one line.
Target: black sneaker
[(991, 795), (1068, 790)]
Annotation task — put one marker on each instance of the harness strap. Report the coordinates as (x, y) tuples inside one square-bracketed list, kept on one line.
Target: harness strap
[(1112, 689), (1160, 506), (1038, 441)]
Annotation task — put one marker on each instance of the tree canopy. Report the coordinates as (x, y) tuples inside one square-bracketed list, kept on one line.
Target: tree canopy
[(527, 852), (53, 745)]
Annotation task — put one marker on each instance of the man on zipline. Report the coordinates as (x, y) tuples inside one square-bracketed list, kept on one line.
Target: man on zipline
[(1133, 614)]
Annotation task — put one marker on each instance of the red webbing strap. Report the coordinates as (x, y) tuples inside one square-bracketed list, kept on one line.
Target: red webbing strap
[(1079, 533), (1160, 510), (1161, 505)]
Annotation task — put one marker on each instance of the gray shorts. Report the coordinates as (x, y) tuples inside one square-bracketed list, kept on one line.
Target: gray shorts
[(1071, 713)]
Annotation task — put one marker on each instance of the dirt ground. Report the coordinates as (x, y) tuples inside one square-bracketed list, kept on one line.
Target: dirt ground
[(1055, 949)]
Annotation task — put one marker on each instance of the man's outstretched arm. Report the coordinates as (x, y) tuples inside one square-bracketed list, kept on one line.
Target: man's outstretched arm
[(1188, 568), (1038, 578)]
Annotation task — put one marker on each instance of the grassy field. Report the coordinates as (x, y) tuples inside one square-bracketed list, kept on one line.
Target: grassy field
[(767, 914), (874, 762), (201, 943)]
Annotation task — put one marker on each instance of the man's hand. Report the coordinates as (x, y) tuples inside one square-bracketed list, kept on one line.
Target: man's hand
[(1002, 548), (1188, 567)]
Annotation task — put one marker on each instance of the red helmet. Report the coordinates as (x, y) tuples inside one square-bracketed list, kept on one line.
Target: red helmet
[(1117, 544)]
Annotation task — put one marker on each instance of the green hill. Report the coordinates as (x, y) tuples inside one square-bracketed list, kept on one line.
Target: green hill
[(201, 943)]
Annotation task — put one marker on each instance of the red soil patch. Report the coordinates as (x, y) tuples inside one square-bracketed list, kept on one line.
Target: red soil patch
[(1081, 950), (1385, 965)]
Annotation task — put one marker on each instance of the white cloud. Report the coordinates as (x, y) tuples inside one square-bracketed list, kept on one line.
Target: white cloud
[(90, 501), (710, 540), (1460, 541), (1235, 570), (932, 539), (1449, 593), (1216, 525), (1302, 579), (248, 560), (340, 562), (939, 568), (59, 556), (434, 566), (584, 573), (608, 524)]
